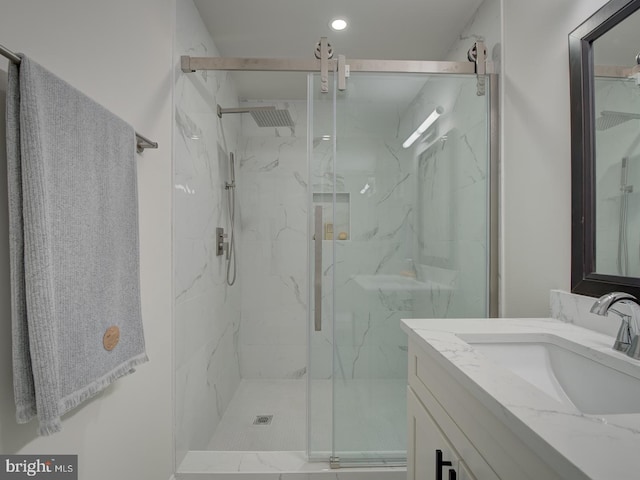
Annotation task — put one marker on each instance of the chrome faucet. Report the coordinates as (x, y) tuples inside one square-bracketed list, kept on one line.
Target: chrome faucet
[(628, 339)]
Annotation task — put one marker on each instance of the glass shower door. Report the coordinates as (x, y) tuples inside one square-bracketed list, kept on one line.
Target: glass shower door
[(321, 156), (405, 235)]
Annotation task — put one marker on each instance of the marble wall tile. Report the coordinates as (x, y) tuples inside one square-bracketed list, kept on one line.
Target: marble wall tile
[(207, 311), (452, 219), (272, 191), (573, 308)]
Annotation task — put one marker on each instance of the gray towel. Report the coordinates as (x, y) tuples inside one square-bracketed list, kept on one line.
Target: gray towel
[(73, 216)]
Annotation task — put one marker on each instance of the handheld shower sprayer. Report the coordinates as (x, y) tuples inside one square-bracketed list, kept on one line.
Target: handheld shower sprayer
[(230, 187), (232, 173)]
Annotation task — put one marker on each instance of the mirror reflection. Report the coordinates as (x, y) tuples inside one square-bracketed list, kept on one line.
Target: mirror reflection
[(617, 149)]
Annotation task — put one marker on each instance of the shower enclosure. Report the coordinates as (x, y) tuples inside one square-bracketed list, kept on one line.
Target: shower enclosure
[(341, 231), (617, 142)]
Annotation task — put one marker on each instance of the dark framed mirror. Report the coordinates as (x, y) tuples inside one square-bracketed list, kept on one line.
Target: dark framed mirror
[(605, 150)]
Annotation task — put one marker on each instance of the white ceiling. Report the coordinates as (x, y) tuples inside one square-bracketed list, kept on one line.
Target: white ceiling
[(378, 29)]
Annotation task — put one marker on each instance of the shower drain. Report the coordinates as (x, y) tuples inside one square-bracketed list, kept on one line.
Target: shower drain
[(263, 420)]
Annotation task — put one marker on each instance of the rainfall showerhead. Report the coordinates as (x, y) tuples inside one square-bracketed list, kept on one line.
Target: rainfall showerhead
[(263, 116), (609, 119), (272, 118)]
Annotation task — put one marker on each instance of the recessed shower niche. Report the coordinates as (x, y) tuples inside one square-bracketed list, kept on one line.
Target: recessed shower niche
[(336, 218)]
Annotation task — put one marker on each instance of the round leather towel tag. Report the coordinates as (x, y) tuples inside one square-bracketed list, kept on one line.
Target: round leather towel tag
[(111, 338)]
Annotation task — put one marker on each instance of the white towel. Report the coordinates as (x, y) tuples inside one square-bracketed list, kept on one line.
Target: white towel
[(74, 245)]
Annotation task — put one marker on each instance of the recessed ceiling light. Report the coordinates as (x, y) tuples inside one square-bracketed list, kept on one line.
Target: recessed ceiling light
[(338, 24)]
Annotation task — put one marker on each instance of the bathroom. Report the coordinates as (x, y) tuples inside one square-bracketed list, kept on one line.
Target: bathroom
[(128, 431)]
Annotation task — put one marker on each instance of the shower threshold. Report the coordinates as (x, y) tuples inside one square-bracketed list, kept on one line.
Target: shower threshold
[(220, 465)]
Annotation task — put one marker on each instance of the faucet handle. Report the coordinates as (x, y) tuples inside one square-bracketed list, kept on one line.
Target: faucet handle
[(634, 349), (623, 339), (627, 339), (624, 336)]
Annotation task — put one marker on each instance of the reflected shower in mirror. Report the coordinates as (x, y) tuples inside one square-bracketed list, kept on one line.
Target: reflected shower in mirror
[(617, 149)]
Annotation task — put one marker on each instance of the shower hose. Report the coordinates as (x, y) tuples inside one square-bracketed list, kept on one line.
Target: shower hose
[(231, 253)]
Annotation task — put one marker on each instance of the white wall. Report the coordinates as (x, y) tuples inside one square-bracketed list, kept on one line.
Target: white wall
[(119, 53), (536, 156)]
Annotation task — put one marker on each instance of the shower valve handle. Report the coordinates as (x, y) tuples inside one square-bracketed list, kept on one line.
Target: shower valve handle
[(221, 245)]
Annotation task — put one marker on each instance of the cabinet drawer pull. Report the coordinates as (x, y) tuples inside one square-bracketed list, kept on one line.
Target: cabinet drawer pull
[(443, 463)]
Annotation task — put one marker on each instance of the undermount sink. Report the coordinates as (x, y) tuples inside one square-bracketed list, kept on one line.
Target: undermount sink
[(593, 382)]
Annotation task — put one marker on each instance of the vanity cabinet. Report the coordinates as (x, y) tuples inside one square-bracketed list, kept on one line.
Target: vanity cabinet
[(431, 454), (437, 448), (444, 416)]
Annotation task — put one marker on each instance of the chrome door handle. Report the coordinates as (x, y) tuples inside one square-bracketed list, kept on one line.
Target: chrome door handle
[(317, 273)]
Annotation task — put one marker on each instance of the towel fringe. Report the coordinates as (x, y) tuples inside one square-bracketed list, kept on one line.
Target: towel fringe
[(25, 413), (49, 428), (99, 384)]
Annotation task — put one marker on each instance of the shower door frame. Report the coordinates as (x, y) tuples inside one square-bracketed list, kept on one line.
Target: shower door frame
[(483, 69)]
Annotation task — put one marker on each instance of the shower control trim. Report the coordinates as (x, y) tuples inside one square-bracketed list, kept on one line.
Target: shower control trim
[(221, 245)]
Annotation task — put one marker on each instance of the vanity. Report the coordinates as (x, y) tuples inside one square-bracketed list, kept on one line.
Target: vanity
[(519, 399)]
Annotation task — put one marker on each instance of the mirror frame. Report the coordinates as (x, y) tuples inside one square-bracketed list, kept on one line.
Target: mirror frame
[(584, 279)]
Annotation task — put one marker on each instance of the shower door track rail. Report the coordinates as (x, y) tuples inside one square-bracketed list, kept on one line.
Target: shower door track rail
[(194, 64)]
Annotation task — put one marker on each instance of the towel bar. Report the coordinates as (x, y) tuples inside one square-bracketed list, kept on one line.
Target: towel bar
[(142, 142)]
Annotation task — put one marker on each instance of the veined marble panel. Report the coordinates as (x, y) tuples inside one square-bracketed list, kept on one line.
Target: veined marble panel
[(272, 196), (451, 216), (207, 311), (572, 308)]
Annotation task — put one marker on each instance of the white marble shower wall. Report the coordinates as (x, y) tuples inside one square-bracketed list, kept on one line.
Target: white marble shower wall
[(272, 198), (614, 142), (207, 311), (418, 234), (368, 340), (425, 214), (452, 207), (444, 273), (273, 203)]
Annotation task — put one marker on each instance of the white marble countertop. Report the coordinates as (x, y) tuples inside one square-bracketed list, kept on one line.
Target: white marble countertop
[(603, 447)]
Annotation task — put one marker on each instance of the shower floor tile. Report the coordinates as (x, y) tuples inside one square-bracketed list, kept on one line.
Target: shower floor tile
[(284, 399), (372, 417)]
